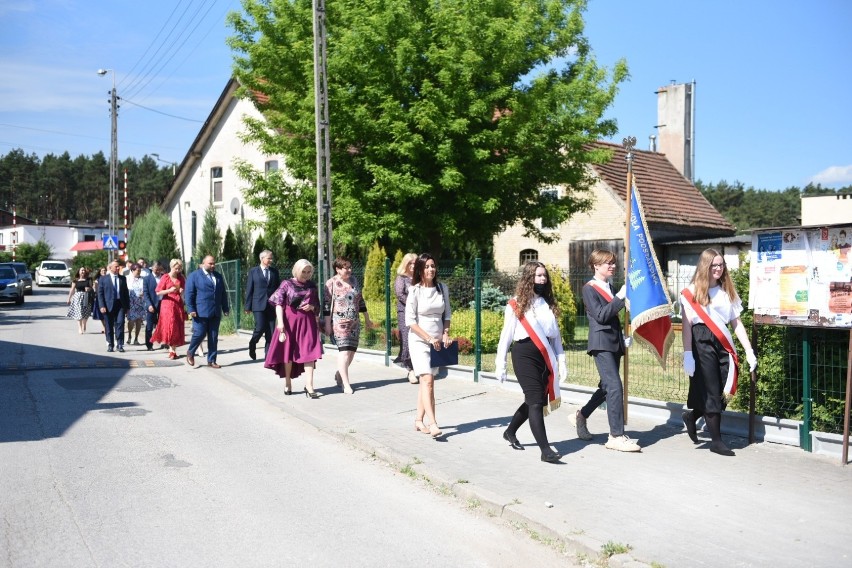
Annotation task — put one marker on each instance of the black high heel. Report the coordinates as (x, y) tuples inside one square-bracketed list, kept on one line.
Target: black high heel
[(313, 395), (550, 457)]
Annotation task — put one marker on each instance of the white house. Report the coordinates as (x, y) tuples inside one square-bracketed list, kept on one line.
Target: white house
[(65, 238), (207, 173)]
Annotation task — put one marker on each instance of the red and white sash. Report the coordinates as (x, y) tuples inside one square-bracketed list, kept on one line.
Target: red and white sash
[(720, 329), (601, 288), (539, 339)]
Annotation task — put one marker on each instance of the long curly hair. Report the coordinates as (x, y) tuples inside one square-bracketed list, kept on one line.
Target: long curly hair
[(701, 278), (524, 293)]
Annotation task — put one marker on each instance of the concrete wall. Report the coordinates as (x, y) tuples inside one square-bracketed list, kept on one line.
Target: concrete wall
[(603, 222), (673, 118), (826, 209), (222, 148)]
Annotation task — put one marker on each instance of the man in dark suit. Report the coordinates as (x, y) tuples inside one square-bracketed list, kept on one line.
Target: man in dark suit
[(206, 301), (152, 301), (114, 300), (262, 282)]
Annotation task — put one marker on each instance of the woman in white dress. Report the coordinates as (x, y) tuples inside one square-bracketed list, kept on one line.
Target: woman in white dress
[(427, 315)]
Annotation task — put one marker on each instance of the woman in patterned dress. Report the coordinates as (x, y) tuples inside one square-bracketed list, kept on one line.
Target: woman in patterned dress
[(79, 307), (136, 314), (342, 303), (170, 326), (295, 345), (403, 282)]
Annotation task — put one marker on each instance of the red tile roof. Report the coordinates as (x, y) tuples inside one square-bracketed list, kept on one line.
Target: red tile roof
[(674, 208), (83, 246)]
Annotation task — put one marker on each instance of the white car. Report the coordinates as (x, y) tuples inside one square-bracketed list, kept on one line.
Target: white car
[(53, 273)]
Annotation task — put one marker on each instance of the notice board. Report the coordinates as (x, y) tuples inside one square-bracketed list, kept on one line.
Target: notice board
[(802, 276)]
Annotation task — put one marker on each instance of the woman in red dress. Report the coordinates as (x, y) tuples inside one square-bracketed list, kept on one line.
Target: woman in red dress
[(170, 327)]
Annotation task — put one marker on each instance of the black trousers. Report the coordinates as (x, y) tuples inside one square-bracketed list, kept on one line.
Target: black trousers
[(151, 320), (711, 370)]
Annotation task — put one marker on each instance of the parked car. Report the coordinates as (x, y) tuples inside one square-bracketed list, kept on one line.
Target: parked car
[(53, 273), (11, 289), (23, 274)]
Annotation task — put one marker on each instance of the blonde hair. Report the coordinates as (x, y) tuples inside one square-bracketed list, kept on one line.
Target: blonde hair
[(300, 265), (175, 261), (403, 264), (701, 278)]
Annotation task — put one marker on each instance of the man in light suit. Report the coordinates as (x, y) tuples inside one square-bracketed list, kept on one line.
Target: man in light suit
[(152, 301), (206, 301), (263, 281), (114, 300)]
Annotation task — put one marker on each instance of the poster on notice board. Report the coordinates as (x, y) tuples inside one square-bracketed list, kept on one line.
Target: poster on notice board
[(803, 274)]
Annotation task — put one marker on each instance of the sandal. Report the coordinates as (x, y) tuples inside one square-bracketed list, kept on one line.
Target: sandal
[(435, 431), (419, 425)]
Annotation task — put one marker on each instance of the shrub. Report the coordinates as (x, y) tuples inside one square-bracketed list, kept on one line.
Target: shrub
[(465, 345), (565, 299), (373, 285), (492, 298)]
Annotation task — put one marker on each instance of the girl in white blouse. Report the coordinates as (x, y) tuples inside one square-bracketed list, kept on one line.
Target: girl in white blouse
[(530, 328)]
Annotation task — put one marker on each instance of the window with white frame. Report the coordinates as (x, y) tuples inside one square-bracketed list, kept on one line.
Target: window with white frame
[(216, 184), (270, 166), (551, 194)]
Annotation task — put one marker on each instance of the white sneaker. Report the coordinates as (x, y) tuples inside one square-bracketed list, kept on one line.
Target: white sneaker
[(582, 431), (622, 444)]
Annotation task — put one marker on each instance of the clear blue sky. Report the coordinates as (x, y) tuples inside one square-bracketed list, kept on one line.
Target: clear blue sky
[(772, 99)]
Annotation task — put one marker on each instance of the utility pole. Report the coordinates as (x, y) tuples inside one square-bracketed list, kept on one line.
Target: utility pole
[(323, 145), (113, 157)]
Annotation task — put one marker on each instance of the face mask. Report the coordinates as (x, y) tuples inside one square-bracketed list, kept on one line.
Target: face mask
[(538, 289)]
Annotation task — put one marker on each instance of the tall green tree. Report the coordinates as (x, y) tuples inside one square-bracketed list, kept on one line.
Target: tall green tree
[(211, 239), (446, 118), (153, 237), (229, 246)]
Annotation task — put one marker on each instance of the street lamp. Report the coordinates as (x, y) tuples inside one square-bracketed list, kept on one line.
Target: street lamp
[(113, 155), (174, 164)]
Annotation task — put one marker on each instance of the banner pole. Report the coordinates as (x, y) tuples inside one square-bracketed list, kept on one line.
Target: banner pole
[(629, 143)]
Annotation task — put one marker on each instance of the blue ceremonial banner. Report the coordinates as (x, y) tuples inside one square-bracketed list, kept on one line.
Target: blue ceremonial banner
[(647, 298)]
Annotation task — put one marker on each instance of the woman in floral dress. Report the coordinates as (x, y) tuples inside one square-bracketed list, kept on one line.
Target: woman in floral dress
[(342, 303), (136, 288)]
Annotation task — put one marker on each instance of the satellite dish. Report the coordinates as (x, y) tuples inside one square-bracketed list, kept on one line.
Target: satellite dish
[(235, 206)]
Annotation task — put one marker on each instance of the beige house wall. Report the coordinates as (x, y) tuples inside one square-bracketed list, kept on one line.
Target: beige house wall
[(826, 209), (604, 221)]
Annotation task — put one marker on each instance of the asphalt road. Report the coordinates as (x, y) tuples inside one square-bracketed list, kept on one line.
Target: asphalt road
[(105, 464)]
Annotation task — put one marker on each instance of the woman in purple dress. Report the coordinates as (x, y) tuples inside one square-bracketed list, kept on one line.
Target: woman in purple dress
[(295, 345)]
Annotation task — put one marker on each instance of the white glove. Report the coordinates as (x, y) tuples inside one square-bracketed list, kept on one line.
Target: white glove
[(688, 363), (563, 369), (501, 373), (752, 360), (628, 341), (622, 292)]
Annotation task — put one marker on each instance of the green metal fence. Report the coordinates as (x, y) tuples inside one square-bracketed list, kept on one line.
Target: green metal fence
[(478, 299)]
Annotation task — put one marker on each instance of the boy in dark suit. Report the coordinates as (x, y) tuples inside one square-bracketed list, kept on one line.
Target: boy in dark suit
[(206, 301), (606, 346), (114, 301), (263, 281)]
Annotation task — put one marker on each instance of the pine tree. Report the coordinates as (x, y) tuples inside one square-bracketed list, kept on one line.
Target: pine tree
[(374, 274), (229, 249), (211, 239)]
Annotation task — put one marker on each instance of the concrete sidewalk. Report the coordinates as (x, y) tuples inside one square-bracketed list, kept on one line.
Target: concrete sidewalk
[(674, 504)]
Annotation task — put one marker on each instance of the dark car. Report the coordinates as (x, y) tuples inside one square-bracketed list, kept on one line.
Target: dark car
[(11, 289), (23, 274)]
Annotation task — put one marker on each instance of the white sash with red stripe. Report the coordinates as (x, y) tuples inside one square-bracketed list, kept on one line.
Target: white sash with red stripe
[(720, 329), (539, 339)]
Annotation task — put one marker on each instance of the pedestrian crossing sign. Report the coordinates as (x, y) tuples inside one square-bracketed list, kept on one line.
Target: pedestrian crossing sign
[(110, 242)]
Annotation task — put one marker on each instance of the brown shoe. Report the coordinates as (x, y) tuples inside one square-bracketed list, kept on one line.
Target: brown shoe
[(190, 360), (214, 366)]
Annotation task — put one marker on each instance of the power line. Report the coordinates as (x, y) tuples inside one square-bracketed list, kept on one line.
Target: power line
[(161, 112)]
